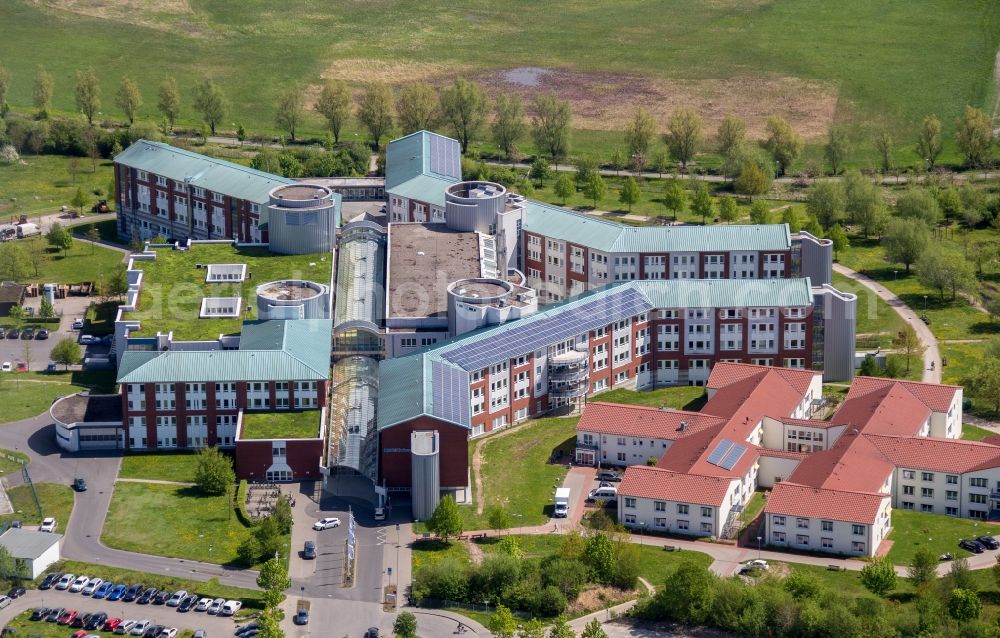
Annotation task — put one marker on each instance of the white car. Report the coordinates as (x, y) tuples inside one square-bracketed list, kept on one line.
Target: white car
[(87, 340), (65, 581), (79, 584), (48, 525), (749, 566), (78, 324), (230, 607), (8, 366), (169, 632), (93, 584), (140, 627), (326, 523), (203, 604), (176, 599), (216, 606)]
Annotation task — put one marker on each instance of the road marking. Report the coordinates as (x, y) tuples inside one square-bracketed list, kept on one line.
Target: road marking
[(380, 535)]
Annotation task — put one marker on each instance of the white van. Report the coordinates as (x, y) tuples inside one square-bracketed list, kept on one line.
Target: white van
[(604, 493)]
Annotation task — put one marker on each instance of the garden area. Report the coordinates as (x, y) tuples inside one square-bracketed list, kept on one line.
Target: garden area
[(56, 500)]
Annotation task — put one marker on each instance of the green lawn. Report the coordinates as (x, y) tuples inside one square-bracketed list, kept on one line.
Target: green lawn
[(679, 397), (736, 45), (108, 230), (57, 500), (913, 530), (83, 262), (877, 323), (975, 433), (42, 183), (429, 552), (169, 520), (24, 395), (753, 508), (160, 467), (291, 424), (11, 461)]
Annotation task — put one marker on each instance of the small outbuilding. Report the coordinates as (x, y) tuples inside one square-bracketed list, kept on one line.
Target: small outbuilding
[(33, 551), (11, 294)]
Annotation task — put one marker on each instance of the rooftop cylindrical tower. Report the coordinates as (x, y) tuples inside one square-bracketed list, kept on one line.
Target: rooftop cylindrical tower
[(302, 219), (474, 206)]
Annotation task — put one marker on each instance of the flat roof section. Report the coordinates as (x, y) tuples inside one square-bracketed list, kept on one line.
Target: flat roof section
[(300, 192), (423, 260), (93, 408)]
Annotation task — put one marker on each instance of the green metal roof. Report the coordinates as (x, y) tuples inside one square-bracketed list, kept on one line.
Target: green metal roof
[(407, 384), (206, 172), (611, 237), (421, 165), (292, 350)]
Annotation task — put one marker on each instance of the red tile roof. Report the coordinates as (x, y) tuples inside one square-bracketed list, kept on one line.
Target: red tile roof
[(852, 464), (782, 454), (790, 499), (890, 409), (937, 454), (724, 374), (642, 481), (935, 396), (638, 421)]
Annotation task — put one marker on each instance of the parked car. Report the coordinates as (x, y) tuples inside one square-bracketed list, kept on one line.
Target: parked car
[(91, 586), (48, 525), (147, 596), (989, 542), (604, 493), (28, 334), (96, 621), (77, 324), (132, 593), (7, 366), (79, 633), (39, 613), (103, 589), (65, 581), (54, 614), (13, 333), (187, 603), (117, 592), (753, 565), (301, 617), (203, 604), (80, 484), (153, 631), (3, 332), (80, 620), (112, 623), (67, 617), (87, 340), (373, 632), (326, 523), (216, 606), (125, 627), (161, 598), (176, 598), (309, 550), (246, 628), (4, 601), (169, 632), (139, 627), (42, 334), (608, 475), (49, 581), (200, 634), (16, 592), (230, 608), (971, 546)]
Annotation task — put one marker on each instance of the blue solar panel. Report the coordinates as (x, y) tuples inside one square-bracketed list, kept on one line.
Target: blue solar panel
[(536, 333), (445, 156), (451, 393), (733, 457), (715, 458)]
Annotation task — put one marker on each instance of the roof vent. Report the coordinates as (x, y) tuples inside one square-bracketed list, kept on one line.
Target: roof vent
[(420, 253), (683, 426)]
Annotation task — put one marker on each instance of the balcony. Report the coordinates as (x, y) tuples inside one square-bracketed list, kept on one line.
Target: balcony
[(995, 494), (571, 392)]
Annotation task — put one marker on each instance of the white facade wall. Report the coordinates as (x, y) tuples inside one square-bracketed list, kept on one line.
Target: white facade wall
[(624, 450), (691, 519), (774, 469), (828, 535)]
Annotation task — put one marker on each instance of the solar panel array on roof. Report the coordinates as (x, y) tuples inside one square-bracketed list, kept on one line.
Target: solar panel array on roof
[(451, 389), (531, 334), (715, 458), (727, 454), (446, 156)]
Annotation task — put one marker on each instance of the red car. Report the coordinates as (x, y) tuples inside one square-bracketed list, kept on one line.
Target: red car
[(112, 623), (67, 617), (79, 634)]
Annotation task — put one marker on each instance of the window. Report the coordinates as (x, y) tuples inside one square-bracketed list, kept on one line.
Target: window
[(951, 511), (951, 479), (408, 342), (977, 498), (907, 505), (926, 492), (802, 523), (827, 526), (660, 506), (857, 546), (978, 482), (660, 523), (706, 527), (778, 520), (826, 543), (909, 474), (926, 507), (908, 490), (951, 495), (682, 524), (778, 537), (801, 539), (706, 512), (630, 502), (858, 530), (927, 476), (682, 508)]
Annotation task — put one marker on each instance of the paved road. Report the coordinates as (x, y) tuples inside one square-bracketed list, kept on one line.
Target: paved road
[(932, 354)]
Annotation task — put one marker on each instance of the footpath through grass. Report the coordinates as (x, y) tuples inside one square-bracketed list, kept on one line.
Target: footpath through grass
[(57, 500)]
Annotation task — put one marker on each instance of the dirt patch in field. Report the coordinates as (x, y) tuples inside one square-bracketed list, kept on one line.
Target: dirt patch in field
[(363, 70), (605, 101), (137, 12), (598, 598)]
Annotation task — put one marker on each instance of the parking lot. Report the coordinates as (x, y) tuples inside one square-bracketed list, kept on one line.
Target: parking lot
[(37, 351)]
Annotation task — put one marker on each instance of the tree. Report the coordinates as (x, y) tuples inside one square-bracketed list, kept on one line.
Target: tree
[(464, 106), (639, 134), (334, 104), (617, 160), (498, 518), (863, 203), (919, 203), (273, 579), (168, 101), (445, 521), (289, 115), (674, 197), (909, 344), (836, 149), (405, 625), (731, 135), (67, 352), (129, 98), (269, 625), (282, 515), (791, 217), (599, 556), (416, 108), (502, 623), (701, 201), (531, 629), (660, 162), (561, 629), (73, 167), (683, 135), (4, 88), (839, 239), (905, 241), (782, 142), (375, 111), (868, 368), (929, 140), (88, 94), (508, 124), (595, 189), (564, 188), (214, 472), (593, 629), (752, 180), (879, 576), (79, 200), (826, 203), (14, 264), (945, 271), (540, 170), (727, 209), (629, 193), (45, 309), (964, 604), (687, 594), (210, 102), (41, 93), (923, 566), (883, 144), (18, 314), (974, 136), (550, 125), (58, 237), (760, 213)]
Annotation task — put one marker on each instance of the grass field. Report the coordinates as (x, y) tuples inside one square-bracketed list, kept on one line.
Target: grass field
[(57, 500), (24, 395), (752, 58), (160, 467), (678, 397), (11, 461), (939, 533), (295, 424), (42, 183), (168, 520), (975, 433), (83, 262)]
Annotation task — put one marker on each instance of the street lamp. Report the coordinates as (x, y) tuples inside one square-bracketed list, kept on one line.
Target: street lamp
[(895, 274), (758, 547), (925, 303), (642, 526)]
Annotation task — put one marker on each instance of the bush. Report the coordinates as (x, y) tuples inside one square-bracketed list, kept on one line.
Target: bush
[(214, 474), (241, 503), (569, 576), (445, 580), (551, 602)]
